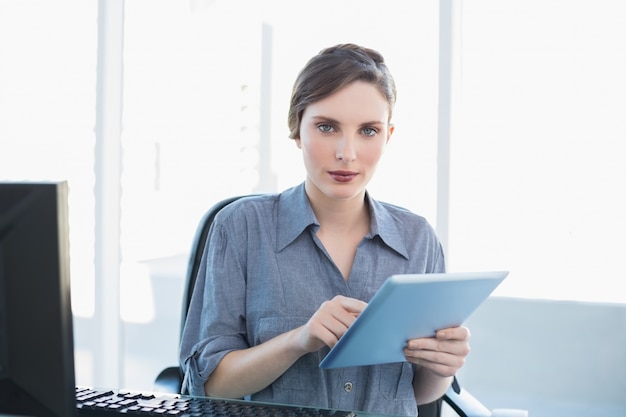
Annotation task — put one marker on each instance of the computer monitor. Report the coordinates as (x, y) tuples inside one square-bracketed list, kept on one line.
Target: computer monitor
[(36, 336)]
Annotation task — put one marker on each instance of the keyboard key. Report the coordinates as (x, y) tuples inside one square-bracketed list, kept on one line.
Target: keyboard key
[(103, 403)]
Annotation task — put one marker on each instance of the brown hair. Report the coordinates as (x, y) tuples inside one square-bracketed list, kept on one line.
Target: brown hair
[(331, 70)]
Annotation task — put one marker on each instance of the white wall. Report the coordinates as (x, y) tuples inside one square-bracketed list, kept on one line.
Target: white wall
[(552, 358)]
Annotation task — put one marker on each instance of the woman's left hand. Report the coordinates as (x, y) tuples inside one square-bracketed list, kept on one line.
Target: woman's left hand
[(443, 354)]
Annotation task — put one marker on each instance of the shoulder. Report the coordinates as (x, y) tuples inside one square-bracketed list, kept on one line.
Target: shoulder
[(400, 228), (247, 206), (410, 235), (268, 217), (390, 213), (266, 206)]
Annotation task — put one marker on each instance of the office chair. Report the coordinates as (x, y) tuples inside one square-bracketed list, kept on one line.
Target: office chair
[(170, 379)]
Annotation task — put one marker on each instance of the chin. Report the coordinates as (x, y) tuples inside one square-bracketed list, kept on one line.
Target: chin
[(343, 192)]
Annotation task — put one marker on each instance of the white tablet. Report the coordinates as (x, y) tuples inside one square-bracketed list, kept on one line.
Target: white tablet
[(407, 307)]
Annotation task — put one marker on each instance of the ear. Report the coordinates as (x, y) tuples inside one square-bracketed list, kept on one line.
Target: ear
[(298, 142), (389, 133)]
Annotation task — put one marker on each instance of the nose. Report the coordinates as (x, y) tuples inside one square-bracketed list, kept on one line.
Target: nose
[(346, 149)]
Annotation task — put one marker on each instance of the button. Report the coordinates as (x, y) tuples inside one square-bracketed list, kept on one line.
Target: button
[(347, 387)]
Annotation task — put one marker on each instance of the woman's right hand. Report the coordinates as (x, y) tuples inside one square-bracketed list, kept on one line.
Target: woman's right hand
[(245, 371), (329, 323)]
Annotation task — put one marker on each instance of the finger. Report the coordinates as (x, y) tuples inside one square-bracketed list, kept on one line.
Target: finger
[(454, 333), (453, 346), (323, 328), (333, 318), (441, 362), (331, 321), (441, 369), (329, 334), (350, 304), (334, 310), (437, 356)]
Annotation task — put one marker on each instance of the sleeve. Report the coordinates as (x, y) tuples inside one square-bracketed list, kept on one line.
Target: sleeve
[(432, 249), (439, 257), (216, 320)]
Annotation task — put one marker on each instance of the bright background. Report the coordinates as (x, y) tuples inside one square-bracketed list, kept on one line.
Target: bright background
[(535, 170)]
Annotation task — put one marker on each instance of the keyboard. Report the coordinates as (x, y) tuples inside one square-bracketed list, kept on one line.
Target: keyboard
[(102, 403)]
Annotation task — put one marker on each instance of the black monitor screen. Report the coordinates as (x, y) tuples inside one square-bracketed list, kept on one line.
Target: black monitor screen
[(36, 338)]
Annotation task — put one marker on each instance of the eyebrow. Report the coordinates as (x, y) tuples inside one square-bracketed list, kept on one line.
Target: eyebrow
[(335, 121)]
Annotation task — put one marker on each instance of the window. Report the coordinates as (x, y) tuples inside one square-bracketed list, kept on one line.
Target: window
[(538, 180), (47, 101)]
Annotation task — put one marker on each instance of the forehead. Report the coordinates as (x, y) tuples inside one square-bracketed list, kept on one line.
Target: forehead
[(359, 102)]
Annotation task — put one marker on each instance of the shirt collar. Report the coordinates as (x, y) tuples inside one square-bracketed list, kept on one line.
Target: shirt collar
[(295, 214), (384, 225), (295, 200)]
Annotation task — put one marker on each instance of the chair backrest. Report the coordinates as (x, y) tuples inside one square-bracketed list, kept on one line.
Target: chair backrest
[(170, 379)]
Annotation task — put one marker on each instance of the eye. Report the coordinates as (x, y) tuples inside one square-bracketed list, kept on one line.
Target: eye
[(325, 127), (369, 131)]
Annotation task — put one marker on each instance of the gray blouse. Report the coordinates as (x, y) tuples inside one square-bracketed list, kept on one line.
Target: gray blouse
[(265, 272)]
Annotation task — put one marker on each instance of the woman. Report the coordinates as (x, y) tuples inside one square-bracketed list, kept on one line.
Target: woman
[(285, 275)]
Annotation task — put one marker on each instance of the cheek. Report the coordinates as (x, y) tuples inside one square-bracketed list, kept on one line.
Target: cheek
[(372, 153), (316, 150)]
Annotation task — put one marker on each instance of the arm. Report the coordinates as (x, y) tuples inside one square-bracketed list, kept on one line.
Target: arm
[(438, 359), (245, 371)]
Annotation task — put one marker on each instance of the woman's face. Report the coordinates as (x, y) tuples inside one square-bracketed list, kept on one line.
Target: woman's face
[(342, 138)]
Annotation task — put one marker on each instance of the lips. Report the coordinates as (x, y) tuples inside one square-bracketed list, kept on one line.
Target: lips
[(343, 176)]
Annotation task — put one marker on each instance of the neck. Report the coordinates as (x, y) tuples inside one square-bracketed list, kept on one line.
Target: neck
[(340, 214)]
